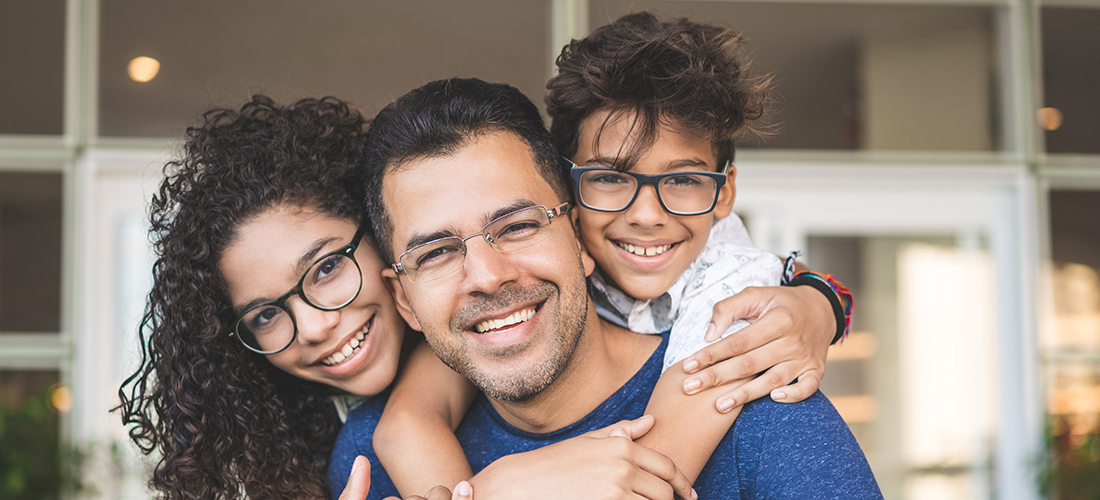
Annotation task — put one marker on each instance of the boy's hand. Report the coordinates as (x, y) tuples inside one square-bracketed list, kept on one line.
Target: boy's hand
[(789, 337)]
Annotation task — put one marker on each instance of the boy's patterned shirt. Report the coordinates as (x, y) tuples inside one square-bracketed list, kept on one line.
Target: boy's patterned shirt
[(727, 264)]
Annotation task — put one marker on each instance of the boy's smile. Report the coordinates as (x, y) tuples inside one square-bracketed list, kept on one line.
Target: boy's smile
[(644, 249)]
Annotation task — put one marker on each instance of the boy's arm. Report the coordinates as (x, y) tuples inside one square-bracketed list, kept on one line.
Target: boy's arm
[(791, 328), (687, 429), (415, 438), (800, 323)]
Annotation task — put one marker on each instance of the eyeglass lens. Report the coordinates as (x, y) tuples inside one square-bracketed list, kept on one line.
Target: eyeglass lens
[(612, 190), (330, 283), (441, 257)]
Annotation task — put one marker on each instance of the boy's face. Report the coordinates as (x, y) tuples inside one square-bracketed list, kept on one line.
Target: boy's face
[(644, 249)]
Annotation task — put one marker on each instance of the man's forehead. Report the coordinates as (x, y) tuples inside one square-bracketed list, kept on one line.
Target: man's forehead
[(459, 193)]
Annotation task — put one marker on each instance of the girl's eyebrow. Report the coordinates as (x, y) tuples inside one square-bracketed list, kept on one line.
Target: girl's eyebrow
[(300, 267)]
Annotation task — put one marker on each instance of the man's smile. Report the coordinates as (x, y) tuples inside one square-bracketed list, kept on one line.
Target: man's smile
[(512, 319)]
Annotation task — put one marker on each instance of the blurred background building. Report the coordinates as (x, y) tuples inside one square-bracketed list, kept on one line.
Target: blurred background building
[(942, 157)]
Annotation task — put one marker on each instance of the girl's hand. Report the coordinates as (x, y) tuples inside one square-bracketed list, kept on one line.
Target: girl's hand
[(788, 339)]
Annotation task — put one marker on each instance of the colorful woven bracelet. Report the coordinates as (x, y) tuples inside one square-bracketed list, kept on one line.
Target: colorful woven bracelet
[(839, 297)]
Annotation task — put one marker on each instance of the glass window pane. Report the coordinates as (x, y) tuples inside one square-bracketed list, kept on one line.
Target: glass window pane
[(30, 252), (1071, 346), (1071, 75), (923, 321), (215, 52), (30, 458), (32, 55), (863, 76)]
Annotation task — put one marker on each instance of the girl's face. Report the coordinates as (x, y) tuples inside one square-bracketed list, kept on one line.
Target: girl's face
[(268, 257)]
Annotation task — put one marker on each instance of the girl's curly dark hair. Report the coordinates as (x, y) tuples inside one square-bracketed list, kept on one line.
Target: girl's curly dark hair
[(680, 75), (226, 422)]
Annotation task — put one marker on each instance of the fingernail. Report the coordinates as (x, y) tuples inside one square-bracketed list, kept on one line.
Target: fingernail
[(691, 385), (694, 494), (725, 405), (463, 488), (778, 395), (709, 336), (691, 365)]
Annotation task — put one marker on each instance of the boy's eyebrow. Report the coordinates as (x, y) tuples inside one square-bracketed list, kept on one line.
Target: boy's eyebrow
[(676, 164)]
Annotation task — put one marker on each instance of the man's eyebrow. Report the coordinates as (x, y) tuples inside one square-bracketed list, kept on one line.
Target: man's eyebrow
[(418, 239), (300, 267)]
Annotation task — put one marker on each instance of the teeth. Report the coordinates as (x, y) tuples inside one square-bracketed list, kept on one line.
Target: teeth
[(644, 251), (350, 348), (514, 318)]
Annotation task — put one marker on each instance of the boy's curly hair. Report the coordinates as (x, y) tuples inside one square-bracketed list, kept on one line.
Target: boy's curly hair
[(226, 422), (680, 75)]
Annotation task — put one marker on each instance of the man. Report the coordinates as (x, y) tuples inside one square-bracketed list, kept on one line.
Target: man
[(511, 313)]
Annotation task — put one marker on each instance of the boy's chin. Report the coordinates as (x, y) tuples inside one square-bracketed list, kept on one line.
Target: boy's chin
[(644, 288)]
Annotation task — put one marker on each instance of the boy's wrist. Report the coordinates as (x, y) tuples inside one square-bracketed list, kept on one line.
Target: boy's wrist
[(839, 297)]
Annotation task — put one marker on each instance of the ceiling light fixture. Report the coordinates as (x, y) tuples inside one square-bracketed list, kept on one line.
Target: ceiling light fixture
[(143, 69)]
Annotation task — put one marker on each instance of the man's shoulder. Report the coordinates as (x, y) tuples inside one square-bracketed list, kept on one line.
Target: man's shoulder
[(365, 416), (790, 450), (355, 440)]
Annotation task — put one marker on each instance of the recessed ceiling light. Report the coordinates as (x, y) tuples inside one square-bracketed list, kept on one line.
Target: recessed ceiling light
[(143, 69), (1050, 118)]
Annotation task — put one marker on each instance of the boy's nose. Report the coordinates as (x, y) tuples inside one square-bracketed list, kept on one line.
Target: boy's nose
[(646, 211)]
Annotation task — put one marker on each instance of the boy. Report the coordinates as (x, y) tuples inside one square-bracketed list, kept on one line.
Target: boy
[(646, 111)]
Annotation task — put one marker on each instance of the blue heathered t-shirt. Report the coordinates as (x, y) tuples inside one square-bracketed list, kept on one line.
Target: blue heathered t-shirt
[(773, 450)]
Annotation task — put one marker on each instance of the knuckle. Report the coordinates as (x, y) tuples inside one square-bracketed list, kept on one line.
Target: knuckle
[(745, 365), (785, 321), (776, 380), (705, 356), (713, 378)]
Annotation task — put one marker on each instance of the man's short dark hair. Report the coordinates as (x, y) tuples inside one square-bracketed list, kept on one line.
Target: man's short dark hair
[(440, 118), (680, 75)]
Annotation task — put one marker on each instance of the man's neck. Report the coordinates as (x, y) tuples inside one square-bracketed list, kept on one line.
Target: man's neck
[(606, 357)]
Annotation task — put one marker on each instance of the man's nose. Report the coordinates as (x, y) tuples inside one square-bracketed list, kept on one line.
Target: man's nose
[(646, 211), (486, 269), (314, 325)]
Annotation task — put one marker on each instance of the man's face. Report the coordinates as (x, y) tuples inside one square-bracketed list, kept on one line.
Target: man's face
[(538, 293)]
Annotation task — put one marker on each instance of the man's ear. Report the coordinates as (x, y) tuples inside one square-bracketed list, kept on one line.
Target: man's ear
[(726, 194), (393, 283), (587, 261)]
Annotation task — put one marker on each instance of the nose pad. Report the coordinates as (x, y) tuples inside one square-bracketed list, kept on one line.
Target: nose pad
[(486, 269), (646, 211), (314, 325)]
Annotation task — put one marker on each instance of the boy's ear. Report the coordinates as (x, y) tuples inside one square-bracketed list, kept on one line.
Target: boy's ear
[(393, 283), (726, 194)]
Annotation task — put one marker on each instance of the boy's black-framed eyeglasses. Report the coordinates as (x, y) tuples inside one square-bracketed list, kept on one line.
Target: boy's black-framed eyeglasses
[(332, 282), (684, 193)]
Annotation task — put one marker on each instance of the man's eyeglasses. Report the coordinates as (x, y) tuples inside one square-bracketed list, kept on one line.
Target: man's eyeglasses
[(333, 281), (680, 193), (438, 258)]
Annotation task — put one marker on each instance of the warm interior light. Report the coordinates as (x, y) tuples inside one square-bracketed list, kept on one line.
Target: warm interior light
[(143, 69), (1050, 118), (61, 398)]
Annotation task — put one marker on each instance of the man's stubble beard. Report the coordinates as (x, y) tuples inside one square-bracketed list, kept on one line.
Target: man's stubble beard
[(523, 382)]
